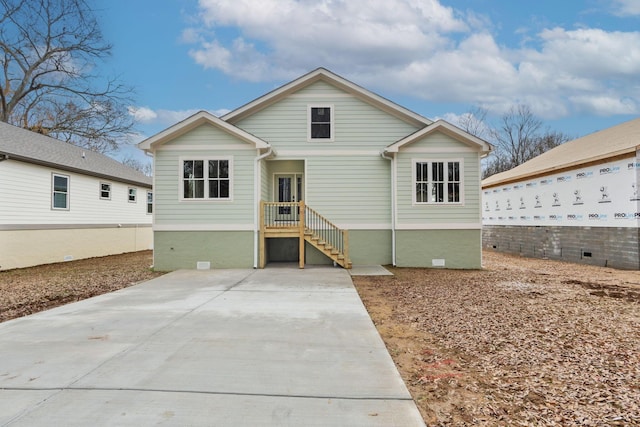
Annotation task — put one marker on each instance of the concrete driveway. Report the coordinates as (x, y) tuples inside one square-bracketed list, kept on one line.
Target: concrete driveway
[(273, 347)]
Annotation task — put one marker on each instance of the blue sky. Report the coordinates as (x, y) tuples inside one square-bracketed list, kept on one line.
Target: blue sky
[(576, 64)]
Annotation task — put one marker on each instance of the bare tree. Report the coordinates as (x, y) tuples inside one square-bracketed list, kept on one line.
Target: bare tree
[(48, 55), (518, 138), (144, 167)]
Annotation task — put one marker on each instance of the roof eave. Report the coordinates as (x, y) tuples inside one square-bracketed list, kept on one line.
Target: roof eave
[(202, 117), (447, 128), (16, 157), (627, 152), (326, 75)]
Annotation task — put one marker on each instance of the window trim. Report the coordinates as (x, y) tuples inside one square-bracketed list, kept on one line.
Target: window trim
[(135, 194), (100, 190), (149, 203), (67, 193), (332, 121), (414, 167), (181, 197)]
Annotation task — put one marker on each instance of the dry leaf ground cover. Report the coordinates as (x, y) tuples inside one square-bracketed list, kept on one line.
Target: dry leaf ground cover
[(28, 290), (522, 342)]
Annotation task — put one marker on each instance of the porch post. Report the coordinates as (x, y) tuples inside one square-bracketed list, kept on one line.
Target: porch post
[(263, 240), (301, 229)]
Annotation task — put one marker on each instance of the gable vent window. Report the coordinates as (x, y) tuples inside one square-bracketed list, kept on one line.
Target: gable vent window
[(321, 123)]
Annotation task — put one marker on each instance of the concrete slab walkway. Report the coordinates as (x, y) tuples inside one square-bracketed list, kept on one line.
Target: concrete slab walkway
[(273, 347)]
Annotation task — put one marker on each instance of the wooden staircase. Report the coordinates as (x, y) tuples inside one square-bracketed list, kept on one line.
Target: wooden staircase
[(327, 249), (295, 219)]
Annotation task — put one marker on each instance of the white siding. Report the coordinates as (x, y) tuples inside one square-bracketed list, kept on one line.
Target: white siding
[(26, 191)]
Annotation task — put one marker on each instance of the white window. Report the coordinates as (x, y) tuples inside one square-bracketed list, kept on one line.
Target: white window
[(321, 123), (60, 192), (206, 179), (149, 202), (105, 191), (132, 195), (437, 181)]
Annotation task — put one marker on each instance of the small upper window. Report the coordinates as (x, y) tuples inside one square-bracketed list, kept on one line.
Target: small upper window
[(149, 202), (321, 123), (132, 195), (60, 192), (105, 191)]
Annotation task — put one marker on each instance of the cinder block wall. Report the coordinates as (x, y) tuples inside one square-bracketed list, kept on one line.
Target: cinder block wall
[(617, 247)]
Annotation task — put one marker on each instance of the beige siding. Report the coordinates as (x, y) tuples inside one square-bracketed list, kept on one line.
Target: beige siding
[(26, 192), (434, 148), (170, 210), (25, 248)]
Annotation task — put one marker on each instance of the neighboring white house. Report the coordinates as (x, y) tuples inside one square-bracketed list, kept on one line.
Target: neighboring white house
[(319, 170), (577, 202), (59, 202)]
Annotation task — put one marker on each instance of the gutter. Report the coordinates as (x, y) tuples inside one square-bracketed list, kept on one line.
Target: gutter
[(256, 201), (393, 205)]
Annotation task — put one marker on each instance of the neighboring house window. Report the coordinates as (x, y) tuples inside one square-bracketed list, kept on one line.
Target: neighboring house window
[(105, 191), (321, 123), (60, 192), (206, 179), (132, 195), (149, 202), (437, 182)]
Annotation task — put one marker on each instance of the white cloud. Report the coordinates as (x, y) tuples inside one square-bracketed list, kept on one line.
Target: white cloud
[(626, 7), (146, 115), (143, 114), (423, 49)]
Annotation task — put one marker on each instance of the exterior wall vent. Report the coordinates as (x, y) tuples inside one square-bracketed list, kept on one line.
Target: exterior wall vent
[(203, 265)]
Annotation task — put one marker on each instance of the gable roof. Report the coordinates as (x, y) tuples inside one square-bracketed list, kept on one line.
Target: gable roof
[(322, 74), (616, 141), (446, 128), (24, 145), (192, 122)]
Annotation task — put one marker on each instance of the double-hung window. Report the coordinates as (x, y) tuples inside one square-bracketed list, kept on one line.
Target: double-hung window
[(149, 202), (321, 123), (60, 192), (105, 191), (437, 181), (132, 195), (206, 179)]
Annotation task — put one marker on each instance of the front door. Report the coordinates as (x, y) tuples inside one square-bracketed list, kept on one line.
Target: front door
[(288, 189)]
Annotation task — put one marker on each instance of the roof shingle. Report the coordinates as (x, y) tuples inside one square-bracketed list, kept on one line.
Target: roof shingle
[(21, 144)]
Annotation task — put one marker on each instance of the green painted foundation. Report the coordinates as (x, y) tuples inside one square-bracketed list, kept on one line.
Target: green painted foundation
[(370, 247), (174, 250), (458, 249)]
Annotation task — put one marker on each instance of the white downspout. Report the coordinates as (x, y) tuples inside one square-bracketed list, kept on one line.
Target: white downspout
[(393, 206), (256, 201)]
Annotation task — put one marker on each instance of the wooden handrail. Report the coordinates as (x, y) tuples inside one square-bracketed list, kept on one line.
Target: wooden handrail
[(307, 223)]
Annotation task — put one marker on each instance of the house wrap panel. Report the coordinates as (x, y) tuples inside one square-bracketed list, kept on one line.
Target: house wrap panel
[(169, 209)]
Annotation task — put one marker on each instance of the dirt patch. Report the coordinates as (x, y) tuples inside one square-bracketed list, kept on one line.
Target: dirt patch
[(29, 290), (521, 342)]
